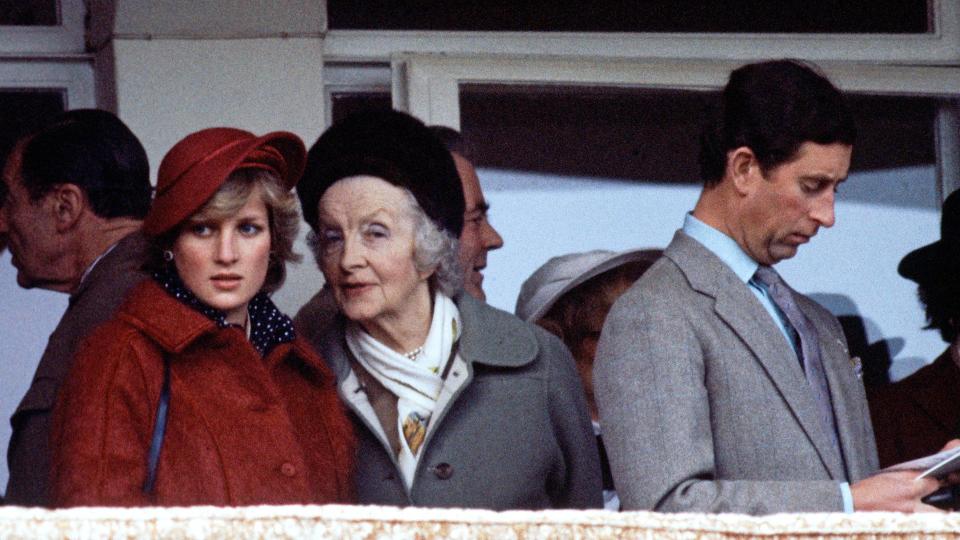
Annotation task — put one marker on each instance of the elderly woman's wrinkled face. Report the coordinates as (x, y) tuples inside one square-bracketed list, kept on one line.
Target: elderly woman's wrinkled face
[(366, 235), (224, 261)]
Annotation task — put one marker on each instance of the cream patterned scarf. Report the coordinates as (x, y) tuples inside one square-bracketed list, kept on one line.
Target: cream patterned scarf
[(416, 382)]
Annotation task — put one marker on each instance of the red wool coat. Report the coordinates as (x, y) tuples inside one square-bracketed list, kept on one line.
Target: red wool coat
[(241, 429)]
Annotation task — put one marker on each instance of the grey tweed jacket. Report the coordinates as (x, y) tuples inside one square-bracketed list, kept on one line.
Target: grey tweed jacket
[(704, 405)]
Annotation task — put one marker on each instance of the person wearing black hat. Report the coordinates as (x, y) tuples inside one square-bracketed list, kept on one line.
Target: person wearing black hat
[(455, 403), (918, 415)]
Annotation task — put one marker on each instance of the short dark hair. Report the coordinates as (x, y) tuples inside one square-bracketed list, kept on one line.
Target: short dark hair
[(452, 140), (96, 151), (941, 304), (773, 108)]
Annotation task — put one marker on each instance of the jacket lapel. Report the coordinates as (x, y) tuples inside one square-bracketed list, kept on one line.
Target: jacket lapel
[(490, 337), (739, 309)]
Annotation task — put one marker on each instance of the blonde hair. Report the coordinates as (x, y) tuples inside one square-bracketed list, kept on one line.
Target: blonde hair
[(282, 210)]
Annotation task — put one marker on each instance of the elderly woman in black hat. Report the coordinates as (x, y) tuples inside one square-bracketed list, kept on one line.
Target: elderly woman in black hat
[(918, 415), (455, 403), (198, 391)]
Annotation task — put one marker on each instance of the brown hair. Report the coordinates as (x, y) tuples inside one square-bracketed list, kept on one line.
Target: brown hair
[(282, 210)]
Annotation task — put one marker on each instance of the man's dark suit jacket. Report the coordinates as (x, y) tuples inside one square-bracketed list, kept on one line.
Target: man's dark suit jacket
[(918, 415), (95, 301)]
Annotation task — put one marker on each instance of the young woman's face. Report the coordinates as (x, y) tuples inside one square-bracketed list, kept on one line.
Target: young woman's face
[(224, 262), (367, 244)]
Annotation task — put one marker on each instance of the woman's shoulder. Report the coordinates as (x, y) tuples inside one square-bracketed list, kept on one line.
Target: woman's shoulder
[(160, 317), (497, 337), (306, 351)]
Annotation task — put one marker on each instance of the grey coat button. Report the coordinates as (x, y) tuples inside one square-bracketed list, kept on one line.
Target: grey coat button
[(442, 470)]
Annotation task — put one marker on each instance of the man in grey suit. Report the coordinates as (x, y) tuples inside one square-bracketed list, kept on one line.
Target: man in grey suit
[(74, 196), (719, 388)]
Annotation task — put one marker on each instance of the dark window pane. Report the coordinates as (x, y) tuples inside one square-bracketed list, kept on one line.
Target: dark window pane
[(22, 111), (597, 132), (653, 135), (894, 132), (29, 13), (716, 16), (347, 103)]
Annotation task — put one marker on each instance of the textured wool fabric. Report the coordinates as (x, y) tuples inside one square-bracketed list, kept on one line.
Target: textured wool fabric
[(809, 340), (242, 429), (510, 430), (690, 355), (268, 326), (94, 302), (916, 416)]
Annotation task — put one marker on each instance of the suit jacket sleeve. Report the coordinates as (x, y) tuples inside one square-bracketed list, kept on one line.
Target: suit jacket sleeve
[(656, 416), (580, 485)]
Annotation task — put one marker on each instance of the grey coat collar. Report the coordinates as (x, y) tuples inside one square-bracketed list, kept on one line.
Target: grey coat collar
[(743, 313), (490, 336)]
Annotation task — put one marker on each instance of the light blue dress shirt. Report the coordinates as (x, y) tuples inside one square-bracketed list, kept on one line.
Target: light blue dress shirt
[(728, 251)]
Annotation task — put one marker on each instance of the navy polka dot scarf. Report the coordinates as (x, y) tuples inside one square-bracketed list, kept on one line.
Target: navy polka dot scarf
[(268, 326)]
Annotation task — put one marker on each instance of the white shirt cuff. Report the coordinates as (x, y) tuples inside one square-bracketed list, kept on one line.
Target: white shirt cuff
[(847, 497)]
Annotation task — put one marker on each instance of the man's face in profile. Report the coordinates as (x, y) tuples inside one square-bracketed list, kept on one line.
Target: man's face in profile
[(478, 236)]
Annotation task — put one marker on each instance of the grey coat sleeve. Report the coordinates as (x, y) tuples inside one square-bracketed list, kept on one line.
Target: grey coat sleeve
[(655, 412), (579, 484)]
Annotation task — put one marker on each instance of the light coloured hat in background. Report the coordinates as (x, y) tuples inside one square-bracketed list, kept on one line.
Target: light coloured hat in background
[(560, 275)]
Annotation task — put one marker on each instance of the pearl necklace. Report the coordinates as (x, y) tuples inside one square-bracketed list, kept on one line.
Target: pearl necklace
[(412, 355)]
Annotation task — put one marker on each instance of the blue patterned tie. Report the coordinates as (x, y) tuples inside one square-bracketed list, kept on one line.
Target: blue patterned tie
[(809, 348)]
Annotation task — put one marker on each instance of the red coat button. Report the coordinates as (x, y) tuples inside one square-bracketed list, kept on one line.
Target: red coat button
[(288, 470), (443, 471)]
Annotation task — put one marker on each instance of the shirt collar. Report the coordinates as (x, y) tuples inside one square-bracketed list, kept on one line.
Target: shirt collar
[(90, 267), (724, 247), (267, 326)]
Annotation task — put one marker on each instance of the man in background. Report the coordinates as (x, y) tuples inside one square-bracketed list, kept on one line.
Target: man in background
[(478, 236), (720, 388), (75, 194)]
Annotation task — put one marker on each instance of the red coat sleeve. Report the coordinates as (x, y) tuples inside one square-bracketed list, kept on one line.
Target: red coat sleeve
[(103, 421)]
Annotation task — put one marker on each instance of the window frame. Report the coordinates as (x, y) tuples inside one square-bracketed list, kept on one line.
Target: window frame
[(64, 38), (74, 77), (939, 46)]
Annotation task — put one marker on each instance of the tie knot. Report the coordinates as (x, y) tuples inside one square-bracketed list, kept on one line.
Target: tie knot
[(767, 276)]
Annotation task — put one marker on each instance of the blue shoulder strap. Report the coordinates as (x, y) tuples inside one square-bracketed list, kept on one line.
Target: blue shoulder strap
[(159, 427)]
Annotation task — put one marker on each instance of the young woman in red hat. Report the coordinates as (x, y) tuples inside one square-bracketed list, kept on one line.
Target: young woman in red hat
[(198, 390)]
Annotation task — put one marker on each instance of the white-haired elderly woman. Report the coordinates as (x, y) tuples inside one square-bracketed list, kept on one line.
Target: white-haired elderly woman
[(455, 403)]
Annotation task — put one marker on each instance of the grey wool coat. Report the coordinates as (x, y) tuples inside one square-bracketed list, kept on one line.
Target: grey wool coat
[(94, 302), (511, 430), (704, 405)]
